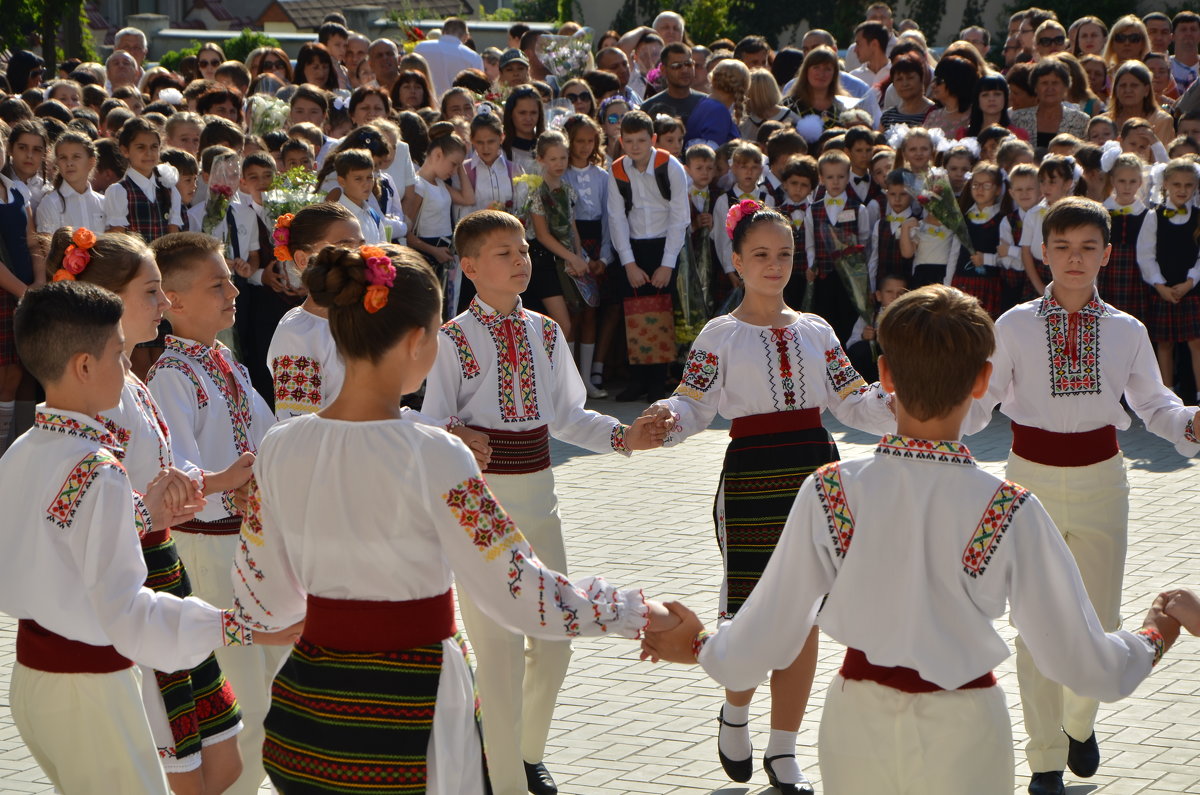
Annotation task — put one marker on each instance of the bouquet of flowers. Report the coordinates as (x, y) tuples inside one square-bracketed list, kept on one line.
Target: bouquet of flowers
[(524, 186), (566, 56), (850, 261), (267, 114), (290, 192), (934, 194), (223, 181)]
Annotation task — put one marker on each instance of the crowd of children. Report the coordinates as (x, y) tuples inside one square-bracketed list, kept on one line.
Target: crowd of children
[(223, 382)]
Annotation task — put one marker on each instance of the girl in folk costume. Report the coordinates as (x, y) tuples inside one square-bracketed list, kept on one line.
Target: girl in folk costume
[(194, 716), (376, 636), (1023, 189), (1174, 268), (773, 370), (1057, 176), (144, 202), (72, 202), (1134, 231), (978, 274)]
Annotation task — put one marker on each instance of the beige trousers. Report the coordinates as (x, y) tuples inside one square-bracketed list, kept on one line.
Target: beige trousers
[(1090, 506), (877, 740), (88, 732), (518, 677)]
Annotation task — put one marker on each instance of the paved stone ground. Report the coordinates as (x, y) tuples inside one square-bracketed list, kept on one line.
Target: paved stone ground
[(624, 726)]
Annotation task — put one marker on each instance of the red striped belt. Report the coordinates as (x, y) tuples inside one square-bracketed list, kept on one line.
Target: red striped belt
[(775, 422), (856, 667), (366, 626), (156, 538), (518, 452), (42, 650), (1065, 449)]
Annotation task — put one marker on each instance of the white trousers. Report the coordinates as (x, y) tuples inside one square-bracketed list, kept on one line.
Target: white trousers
[(249, 669), (875, 740), (518, 677), (1090, 506), (88, 732)]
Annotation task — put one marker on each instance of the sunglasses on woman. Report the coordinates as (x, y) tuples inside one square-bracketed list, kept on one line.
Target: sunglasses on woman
[(209, 63), (1052, 41), (572, 97), (1127, 38), (272, 65)]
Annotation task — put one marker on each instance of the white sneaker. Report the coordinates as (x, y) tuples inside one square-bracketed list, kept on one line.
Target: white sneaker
[(594, 391)]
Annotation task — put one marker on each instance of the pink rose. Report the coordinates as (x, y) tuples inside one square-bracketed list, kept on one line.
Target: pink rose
[(381, 271), (76, 259)]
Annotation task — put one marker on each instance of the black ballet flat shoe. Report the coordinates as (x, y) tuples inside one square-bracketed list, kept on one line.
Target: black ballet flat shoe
[(539, 780), (1083, 758), (739, 770), (1047, 783), (799, 788)]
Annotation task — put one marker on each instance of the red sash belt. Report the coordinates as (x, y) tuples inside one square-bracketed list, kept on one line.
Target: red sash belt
[(856, 667), (156, 538), (363, 626), (1065, 449), (518, 452), (229, 526), (775, 422), (42, 650)]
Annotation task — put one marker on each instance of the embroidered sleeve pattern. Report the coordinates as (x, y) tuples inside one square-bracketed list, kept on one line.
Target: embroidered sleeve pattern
[(698, 642), (141, 516), (245, 566), (837, 511), (549, 337), (1189, 432), (617, 439), (120, 434), (467, 362), (992, 526), (699, 374), (842, 375), (478, 512), (235, 633), (297, 384), (62, 510), (1155, 641), (167, 362)]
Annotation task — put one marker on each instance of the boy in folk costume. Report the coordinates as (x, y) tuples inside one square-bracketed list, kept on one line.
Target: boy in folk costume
[(919, 551), (76, 585), (1062, 364), (216, 419), (509, 373)]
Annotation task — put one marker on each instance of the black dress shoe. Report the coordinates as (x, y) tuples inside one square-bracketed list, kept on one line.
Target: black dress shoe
[(539, 780), (1049, 783), (631, 393), (801, 788), (1083, 758), (739, 770)]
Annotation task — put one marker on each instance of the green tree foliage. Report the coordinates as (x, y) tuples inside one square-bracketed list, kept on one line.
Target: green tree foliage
[(172, 59), (712, 19), (59, 24), (237, 48)]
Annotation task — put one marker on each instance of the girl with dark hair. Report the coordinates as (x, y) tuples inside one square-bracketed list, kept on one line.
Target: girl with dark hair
[(524, 120), (952, 88), (314, 65), (907, 76), (208, 58), (989, 106)]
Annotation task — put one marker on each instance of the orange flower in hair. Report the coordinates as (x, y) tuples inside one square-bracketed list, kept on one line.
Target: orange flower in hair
[(77, 256), (380, 275), (283, 253), (376, 298), (368, 252), (63, 275), (282, 237), (84, 237)]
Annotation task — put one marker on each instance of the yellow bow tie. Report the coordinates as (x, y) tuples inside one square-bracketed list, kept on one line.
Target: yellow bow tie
[(1172, 213), (935, 231), (1123, 210), (700, 192), (979, 215), (747, 196), (897, 219)]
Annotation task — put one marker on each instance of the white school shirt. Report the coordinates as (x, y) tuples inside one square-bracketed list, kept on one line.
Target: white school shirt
[(591, 189), (245, 220), (370, 219), (493, 185), (651, 216), (1147, 244), (401, 170), (412, 491), (1067, 373), (894, 221), (70, 558), (434, 218), (737, 369), (515, 372), (116, 200), (717, 234), (936, 245), (1013, 260), (65, 207), (834, 207), (210, 427), (920, 550), (34, 190), (1031, 230)]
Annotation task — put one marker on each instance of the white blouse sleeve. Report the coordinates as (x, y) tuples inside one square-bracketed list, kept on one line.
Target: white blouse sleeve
[(116, 205), (696, 400), (1147, 250), (267, 593), (176, 397), (1160, 408), (849, 398), (49, 214)]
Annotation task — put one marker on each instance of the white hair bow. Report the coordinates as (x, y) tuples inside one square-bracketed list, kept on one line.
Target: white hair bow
[(970, 144), (810, 127), (896, 135), (168, 175), (1076, 169), (1108, 155)]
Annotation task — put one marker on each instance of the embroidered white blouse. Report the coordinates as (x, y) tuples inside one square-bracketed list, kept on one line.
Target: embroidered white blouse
[(65, 207), (70, 558), (941, 546), (424, 519), (737, 370), (210, 425), (140, 429), (515, 372), (1067, 373)]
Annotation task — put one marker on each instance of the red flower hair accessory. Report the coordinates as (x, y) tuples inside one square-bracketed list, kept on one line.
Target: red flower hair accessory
[(381, 276), (77, 256), (737, 212)]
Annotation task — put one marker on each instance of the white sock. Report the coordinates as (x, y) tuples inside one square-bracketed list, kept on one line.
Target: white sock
[(597, 373), (586, 354), (7, 408), (734, 742), (787, 769)]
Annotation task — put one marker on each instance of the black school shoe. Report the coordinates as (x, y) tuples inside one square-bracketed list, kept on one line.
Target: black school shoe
[(1048, 783), (739, 770), (802, 788), (631, 392), (1083, 758), (539, 780)]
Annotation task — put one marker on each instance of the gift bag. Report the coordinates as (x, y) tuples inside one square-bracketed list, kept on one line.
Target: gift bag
[(650, 329)]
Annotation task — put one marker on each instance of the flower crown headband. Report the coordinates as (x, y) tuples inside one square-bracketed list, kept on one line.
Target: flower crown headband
[(743, 209), (381, 276), (77, 256)]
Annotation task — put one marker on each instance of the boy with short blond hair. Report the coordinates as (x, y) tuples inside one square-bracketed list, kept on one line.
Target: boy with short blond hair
[(919, 550)]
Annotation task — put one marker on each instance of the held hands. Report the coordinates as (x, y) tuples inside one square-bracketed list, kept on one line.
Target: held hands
[(576, 265), (661, 277), (596, 267), (273, 278), (242, 268), (1184, 607), (284, 637), (172, 498), (704, 221), (478, 442), (647, 432), (674, 642), (637, 277), (1159, 619), (1166, 293), (231, 479)]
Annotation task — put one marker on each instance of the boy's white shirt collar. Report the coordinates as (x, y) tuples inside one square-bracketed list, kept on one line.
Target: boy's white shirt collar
[(832, 199), (904, 214)]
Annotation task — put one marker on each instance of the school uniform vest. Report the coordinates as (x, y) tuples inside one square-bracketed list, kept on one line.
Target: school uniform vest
[(985, 237), (847, 232), (1016, 223), (891, 261), (1120, 283), (147, 217), (1176, 246), (798, 230)]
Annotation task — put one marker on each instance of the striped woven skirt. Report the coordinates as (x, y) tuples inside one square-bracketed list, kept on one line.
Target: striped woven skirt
[(352, 722), (200, 705), (763, 472)]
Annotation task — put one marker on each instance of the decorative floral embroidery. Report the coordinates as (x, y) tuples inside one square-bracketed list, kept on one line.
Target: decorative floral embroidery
[(154, 419), (477, 511), (69, 426), (466, 357), (990, 531), (698, 374), (837, 511), (780, 340), (617, 439), (570, 615), (549, 337), (516, 569), (167, 362), (121, 435), (235, 632), (297, 384), (1156, 641), (844, 379), (252, 529), (1189, 432), (141, 516), (514, 368), (1073, 343), (943, 452), (66, 502)]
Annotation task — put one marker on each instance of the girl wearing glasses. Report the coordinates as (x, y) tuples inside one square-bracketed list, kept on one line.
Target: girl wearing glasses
[(208, 58), (612, 110)]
